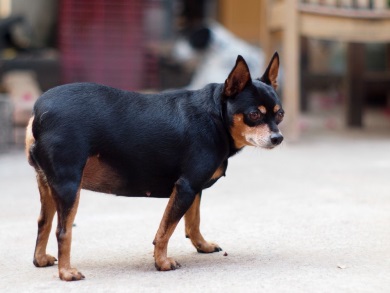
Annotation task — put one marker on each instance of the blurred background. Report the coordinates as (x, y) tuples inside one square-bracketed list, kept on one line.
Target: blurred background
[(335, 54), (310, 216)]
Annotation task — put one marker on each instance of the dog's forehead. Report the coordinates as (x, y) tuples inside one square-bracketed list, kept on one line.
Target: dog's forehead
[(266, 95)]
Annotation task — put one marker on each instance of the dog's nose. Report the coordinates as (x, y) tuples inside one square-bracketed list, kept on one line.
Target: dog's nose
[(276, 138)]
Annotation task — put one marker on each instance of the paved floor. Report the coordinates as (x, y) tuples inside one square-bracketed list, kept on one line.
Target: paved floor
[(308, 217)]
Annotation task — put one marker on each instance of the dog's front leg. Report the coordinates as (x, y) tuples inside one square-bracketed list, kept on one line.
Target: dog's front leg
[(179, 202), (192, 222)]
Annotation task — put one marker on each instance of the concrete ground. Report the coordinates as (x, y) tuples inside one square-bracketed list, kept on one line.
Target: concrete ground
[(308, 217)]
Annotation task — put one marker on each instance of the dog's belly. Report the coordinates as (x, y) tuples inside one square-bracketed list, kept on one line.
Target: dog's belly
[(102, 177)]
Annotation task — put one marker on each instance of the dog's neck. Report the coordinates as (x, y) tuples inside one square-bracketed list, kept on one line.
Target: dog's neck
[(221, 105)]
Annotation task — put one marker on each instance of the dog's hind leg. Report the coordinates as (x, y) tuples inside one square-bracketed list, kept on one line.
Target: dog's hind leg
[(67, 197), (63, 168), (64, 199), (48, 209), (192, 222)]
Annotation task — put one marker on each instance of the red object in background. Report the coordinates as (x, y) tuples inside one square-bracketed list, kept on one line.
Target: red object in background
[(103, 41)]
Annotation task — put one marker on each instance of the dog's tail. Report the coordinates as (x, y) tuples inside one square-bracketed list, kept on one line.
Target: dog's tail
[(30, 142)]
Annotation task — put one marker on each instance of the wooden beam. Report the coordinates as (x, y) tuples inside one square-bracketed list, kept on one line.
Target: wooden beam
[(291, 90), (330, 27), (277, 14), (355, 87)]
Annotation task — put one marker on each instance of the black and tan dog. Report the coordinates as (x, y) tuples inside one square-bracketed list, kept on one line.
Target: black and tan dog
[(173, 144)]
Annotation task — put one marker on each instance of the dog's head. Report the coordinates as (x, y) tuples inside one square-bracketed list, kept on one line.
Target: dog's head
[(253, 106)]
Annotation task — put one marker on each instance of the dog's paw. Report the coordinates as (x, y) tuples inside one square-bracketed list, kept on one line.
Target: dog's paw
[(207, 247), (166, 264), (71, 274), (45, 260)]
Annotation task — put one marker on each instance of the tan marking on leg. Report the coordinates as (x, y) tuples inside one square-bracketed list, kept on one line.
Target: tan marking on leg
[(276, 108), (66, 272), (192, 223), (164, 232), (30, 140), (263, 110), (48, 209)]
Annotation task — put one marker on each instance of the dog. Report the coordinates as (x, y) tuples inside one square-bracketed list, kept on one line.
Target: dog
[(213, 49), (167, 145)]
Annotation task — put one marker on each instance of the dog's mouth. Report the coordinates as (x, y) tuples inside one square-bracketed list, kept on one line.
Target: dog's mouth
[(261, 144)]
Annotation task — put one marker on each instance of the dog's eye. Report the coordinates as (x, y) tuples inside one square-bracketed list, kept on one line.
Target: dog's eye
[(279, 117), (255, 116)]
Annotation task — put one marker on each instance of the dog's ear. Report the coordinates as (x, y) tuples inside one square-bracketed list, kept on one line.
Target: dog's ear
[(271, 73), (238, 78)]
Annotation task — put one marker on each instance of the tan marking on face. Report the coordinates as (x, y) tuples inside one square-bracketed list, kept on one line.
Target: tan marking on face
[(244, 135), (99, 176), (263, 110), (276, 108), (30, 140), (238, 131)]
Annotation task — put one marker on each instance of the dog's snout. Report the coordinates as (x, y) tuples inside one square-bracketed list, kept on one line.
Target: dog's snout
[(276, 138)]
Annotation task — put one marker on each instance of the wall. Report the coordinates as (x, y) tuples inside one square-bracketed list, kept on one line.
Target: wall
[(242, 18)]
